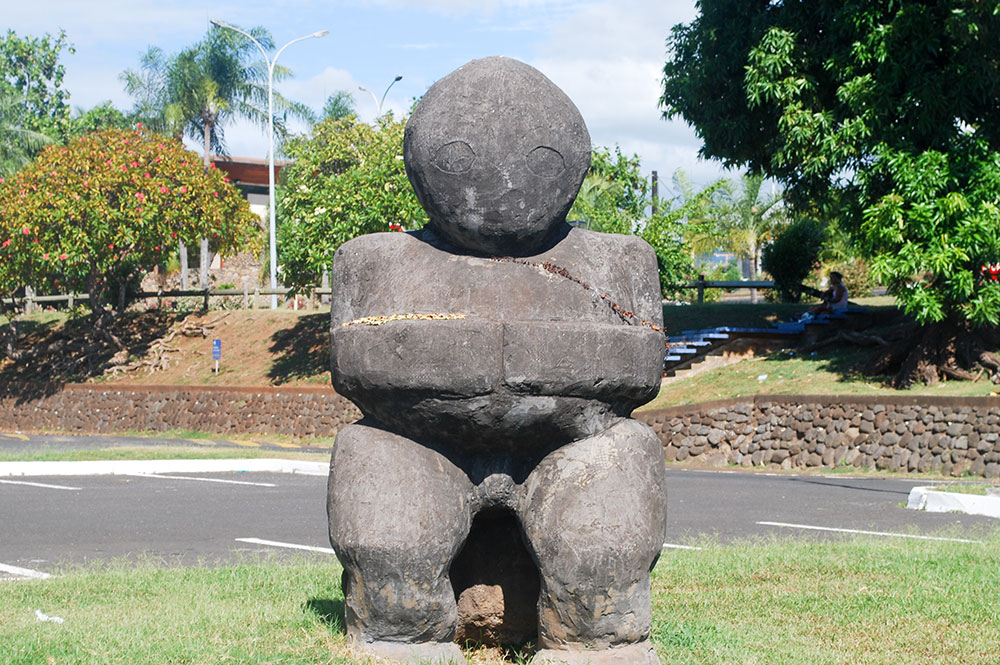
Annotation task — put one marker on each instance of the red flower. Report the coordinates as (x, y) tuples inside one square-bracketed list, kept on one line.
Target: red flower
[(140, 196), (163, 190), (5, 243), (138, 125), (45, 256), (25, 231), (184, 190), (63, 257)]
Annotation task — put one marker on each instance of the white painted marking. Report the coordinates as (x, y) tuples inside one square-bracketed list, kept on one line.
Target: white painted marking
[(24, 572), (204, 480), (671, 546), (132, 467), (42, 485), (291, 546), (869, 533), (42, 616)]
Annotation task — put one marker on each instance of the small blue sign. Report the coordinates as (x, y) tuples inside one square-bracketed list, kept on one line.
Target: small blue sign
[(216, 349)]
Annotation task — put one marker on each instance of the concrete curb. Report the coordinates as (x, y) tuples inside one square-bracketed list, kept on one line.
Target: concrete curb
[(926, 498), (140, 467)]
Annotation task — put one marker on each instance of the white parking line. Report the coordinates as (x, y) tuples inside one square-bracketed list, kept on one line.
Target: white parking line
[(291, 546), (43, 485), (24, 572), (204, 480), (868, 533), (671, 546)]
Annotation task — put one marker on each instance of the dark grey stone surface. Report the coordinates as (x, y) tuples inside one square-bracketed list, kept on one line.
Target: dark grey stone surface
[(496, 154), (511, 416)]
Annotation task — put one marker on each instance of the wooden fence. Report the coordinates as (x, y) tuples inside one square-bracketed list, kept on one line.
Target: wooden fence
[(251, 297)]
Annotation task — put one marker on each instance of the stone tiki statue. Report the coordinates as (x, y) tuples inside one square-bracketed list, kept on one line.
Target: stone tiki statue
[(496, 489)]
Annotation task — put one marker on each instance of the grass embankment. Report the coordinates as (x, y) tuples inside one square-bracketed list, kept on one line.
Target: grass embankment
[(790, 602), (287, 348)]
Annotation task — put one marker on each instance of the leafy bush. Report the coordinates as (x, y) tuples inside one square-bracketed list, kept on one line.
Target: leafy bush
[(792, 256), (95, 214)]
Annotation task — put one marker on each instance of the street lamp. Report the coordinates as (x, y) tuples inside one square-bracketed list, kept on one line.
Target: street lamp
[(378, 102), (270, 142)]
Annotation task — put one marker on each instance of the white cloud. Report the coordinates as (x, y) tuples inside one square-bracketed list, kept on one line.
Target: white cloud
[(477, 6), (608, 58)]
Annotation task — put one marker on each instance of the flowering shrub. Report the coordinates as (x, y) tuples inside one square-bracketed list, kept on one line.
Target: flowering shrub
[(96, 214)]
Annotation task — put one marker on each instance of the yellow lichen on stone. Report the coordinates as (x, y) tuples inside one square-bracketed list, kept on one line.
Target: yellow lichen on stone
[(379, 320)]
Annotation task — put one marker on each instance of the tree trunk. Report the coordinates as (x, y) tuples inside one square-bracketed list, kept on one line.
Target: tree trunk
[(203, 268), (206, 164), (183, 252), (754, 298), (10, 336), (122, 298)]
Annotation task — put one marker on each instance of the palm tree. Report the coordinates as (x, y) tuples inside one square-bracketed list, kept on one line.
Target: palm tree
[(18, 145), (743, 220), (198, 90)]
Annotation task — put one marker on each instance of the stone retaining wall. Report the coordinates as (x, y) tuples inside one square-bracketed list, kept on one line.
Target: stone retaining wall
[(912, 433), (296, 412), (908, 434)]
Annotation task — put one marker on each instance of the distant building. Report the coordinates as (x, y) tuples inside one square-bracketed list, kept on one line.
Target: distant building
[(250, 177)]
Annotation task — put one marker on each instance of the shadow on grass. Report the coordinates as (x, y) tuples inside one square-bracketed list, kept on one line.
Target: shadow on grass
[(55, 352), (301, 351), (330, 612)]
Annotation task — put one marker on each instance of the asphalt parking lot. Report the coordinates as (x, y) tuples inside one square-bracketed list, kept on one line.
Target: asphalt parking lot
[(206, 518)]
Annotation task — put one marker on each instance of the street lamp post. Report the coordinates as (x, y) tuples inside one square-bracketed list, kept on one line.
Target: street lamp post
[(270, 143), (379, 102)]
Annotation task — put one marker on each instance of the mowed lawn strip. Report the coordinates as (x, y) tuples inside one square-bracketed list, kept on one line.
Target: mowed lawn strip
[(788, 601)]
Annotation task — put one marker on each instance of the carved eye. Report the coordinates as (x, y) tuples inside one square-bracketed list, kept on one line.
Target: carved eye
[(454, 157), (545, 162)]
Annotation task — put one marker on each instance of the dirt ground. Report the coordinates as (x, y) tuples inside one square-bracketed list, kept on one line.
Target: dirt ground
[(259, 347)]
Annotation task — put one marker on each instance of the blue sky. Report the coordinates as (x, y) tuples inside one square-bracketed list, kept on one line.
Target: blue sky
[(607, 55)]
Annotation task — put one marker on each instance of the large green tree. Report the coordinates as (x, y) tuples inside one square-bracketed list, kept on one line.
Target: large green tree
[(883, 114), (347, 180), (18, 144), (96, 214), (34, 109), (30, 71)]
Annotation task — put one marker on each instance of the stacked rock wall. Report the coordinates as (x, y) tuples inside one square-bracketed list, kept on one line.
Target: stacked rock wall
[(907, 434), (297, 412)]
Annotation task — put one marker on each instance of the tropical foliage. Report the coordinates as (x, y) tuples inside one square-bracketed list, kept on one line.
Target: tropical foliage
[(884, 114), (793, 255), (34, 110), (347, 180), (612, 198), (97, 213), (30, 72), (838, 115)]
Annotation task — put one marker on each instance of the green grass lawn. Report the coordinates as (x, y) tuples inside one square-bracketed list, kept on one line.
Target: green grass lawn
[(851, 601), (828, 372), (710, 315)]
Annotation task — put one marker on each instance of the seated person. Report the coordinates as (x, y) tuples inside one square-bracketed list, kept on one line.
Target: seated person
[(834, 298)]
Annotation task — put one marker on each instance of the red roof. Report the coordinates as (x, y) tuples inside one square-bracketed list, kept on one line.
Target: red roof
[(246, 170)]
